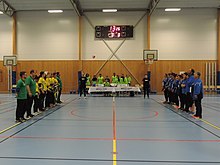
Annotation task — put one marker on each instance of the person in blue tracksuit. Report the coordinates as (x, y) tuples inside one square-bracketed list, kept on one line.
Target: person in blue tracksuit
[(171, 89), (165, 88), (183, 91), (198, 94), (189, 87), (177, 90)]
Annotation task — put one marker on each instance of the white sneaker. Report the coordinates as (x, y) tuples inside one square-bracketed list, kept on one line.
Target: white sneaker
[(28, 118), (85, 98)]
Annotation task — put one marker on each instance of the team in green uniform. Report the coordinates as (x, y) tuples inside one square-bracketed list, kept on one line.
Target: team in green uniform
[(33, 89)]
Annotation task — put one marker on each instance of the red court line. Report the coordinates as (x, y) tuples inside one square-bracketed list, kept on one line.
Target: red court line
[(155, 114), (110, 139)]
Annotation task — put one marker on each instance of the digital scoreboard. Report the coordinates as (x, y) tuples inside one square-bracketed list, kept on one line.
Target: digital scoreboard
[(114, 32)]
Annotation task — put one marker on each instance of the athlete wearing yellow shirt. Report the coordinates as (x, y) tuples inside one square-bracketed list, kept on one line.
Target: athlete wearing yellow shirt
[(49, 93), (43, 89)]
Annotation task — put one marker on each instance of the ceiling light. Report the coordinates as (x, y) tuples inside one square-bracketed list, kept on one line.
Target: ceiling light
[(109, 10), (172, 9), (55, 11), (1, 12)]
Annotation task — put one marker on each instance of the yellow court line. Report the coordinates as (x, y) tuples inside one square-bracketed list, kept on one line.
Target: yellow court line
[(210, 124), (1, 132), (114, 152), (114, 142)]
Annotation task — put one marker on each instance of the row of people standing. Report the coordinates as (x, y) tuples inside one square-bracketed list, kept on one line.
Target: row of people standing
[(184, 90), (38, 90)]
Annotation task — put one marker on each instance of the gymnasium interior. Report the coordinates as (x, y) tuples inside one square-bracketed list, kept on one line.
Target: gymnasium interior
[(127, 37)]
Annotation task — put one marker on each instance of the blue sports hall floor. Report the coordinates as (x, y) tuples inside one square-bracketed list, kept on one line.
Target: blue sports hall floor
[(110, 131)]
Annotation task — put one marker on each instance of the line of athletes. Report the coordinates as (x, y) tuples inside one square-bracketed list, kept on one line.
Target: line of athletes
[(41, 91), (85, 81), (115, 79), (183, 91)]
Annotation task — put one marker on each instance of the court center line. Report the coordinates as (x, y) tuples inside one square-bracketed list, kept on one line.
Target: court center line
[(114, 141)]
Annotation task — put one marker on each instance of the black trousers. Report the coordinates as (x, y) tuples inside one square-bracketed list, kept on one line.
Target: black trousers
[(29, 105), (166, 94), (189, 101), (59, 94), (198, 104), (50, 99), (182, 101), (21, 108), (41, 101), (176, 99), (36, 103), (146, 91), (82, 89)]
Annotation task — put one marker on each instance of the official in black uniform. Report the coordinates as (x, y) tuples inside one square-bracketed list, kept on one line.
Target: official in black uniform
[(146, 86), (82, 86)]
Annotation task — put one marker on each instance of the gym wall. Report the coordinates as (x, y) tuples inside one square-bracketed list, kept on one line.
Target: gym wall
[(5, 48), (44, 36), (132, 49), (190, 34), (51, 42)]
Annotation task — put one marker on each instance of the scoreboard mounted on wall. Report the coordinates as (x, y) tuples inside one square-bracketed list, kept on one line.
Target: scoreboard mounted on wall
[(114, 32)]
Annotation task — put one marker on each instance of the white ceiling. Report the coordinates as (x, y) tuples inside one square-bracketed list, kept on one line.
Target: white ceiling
[(96, 5), (189, 3)]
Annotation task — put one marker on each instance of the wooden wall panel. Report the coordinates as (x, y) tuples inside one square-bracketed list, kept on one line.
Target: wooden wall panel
[(69, 70), (139, 68), (159, 68), (3, 78)]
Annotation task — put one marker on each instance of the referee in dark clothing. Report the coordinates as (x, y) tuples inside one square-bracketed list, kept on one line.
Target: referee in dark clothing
[(146, 86), (82, 86)]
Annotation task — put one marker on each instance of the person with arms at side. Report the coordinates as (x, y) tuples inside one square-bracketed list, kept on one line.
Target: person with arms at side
[(114, 79), (88, 82), (100, 79), (36, 97), (198, 95), (129, 80), (165, 88), (43, 89), (31, 90), (82, 86), (21, 94), (60, 87), (146, 86), (94, 80), (189, 87)]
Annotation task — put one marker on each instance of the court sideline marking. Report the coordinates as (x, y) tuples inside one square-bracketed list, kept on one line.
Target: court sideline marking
[(13, 126), (189, 119), (205, 121)]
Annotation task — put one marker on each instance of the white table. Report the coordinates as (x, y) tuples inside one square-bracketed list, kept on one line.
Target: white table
[(113, 89)]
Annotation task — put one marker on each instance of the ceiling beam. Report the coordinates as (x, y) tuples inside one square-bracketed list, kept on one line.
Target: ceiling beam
[(6, 8), (77, 7), (152, 5)]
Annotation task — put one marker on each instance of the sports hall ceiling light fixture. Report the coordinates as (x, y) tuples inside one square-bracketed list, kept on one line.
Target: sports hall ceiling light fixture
[(109, 10), (55, 11), (172, 9)]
